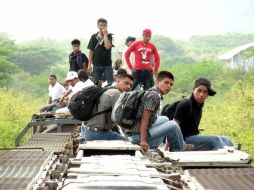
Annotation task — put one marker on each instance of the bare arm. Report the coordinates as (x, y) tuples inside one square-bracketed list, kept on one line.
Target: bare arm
[(107, 43), (177, 121), (65, 95), (90, 57), (50, 100), (144, 128)]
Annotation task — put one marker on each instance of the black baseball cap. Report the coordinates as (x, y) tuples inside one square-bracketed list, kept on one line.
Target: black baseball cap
[(204, 81)]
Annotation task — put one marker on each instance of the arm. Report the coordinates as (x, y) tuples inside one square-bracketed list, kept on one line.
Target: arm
[(90, 61), (50, 100), (85, 62), (107, 43), (127, 57), (157, 61), (144, 128), (182, 112), (64, 96)]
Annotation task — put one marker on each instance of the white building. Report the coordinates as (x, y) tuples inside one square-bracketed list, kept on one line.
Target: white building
[(235, 59)]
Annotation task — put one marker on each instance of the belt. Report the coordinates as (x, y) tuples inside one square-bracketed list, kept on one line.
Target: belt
[(96, 129)]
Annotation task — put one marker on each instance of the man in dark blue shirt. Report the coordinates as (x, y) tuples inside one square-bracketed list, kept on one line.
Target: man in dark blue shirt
[(188, 115), (77, 59)]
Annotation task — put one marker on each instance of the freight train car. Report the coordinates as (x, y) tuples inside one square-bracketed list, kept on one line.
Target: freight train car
[(54, 160)]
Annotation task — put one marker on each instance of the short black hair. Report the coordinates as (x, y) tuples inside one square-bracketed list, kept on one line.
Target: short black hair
[(53, 76), (75, 42), (125, 75), (82, 75), (165, 74), (102, 20), (121, 71)]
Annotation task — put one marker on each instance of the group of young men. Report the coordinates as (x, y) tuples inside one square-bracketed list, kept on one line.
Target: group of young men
[(143, 61)]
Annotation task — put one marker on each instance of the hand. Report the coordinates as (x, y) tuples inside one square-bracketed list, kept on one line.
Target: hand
[(61, 100), (105, 31), (89, 70), (144, 145), (155, 73)]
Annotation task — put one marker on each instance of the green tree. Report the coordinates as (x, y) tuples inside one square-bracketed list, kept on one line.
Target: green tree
[(36, 60), (7, 47)]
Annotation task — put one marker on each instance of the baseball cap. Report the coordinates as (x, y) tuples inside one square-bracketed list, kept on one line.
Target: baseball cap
[(204, 81), (71, 75), (147, 32)]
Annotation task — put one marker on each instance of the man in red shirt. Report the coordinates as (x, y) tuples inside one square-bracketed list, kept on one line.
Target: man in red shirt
[(147, 61)]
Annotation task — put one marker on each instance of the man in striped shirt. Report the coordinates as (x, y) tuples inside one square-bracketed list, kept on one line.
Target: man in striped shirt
[(151, 129)]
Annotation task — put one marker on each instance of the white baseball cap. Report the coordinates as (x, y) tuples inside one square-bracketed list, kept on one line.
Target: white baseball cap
[(71, 75)]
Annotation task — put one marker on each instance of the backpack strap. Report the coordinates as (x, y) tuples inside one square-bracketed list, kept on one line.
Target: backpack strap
[(107, 110)]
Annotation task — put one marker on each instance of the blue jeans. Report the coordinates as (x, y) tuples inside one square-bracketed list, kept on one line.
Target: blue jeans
[(208, 142), (106, 70), (143, 77), (99, 135), (159, 130)]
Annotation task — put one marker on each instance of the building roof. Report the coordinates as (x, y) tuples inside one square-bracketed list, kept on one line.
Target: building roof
[(235, 51)]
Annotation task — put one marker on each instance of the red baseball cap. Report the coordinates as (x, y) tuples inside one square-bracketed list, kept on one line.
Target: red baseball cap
[(147, 32)]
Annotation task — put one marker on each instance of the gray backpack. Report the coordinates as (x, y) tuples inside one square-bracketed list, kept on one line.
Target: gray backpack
[(125, 110)]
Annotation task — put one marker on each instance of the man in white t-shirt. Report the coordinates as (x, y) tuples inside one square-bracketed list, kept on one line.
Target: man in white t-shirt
[(56, 91), (75, 85), (77, 82)]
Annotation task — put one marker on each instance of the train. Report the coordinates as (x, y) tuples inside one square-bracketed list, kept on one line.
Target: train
[(55, 160)]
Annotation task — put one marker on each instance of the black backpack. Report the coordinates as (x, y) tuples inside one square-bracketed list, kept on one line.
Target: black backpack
[(82, 104), (170, 109), (76, 61)]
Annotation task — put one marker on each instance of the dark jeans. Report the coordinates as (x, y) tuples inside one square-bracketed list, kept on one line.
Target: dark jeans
[(99, 70), (143, 77)]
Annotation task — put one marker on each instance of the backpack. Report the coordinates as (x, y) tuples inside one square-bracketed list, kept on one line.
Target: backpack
[(76, 61), (170, 109), (125, 109), (82, 104)]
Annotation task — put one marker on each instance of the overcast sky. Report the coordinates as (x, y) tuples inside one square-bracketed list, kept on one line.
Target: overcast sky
[(178, 19)]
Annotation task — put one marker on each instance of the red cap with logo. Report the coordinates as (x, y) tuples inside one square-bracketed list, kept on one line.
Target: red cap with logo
[(147, 32)]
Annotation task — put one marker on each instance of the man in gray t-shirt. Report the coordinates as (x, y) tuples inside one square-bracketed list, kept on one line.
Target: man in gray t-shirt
[(99, 127)]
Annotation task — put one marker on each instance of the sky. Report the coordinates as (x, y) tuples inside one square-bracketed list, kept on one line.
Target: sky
[(177, 19)]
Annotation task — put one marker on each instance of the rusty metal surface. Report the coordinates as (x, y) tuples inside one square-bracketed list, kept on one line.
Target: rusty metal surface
[(20, 169), (48, 141), (114, 172), (17, 183), (222, 179)]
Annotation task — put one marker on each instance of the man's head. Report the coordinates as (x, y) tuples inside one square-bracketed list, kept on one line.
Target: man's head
[(146, 36), (202, 89), (102, 24), (75, 45), (52, 80), (124, 82), (82, 75), (119, 72), (165, 81), (129, 40), (72, 78)]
